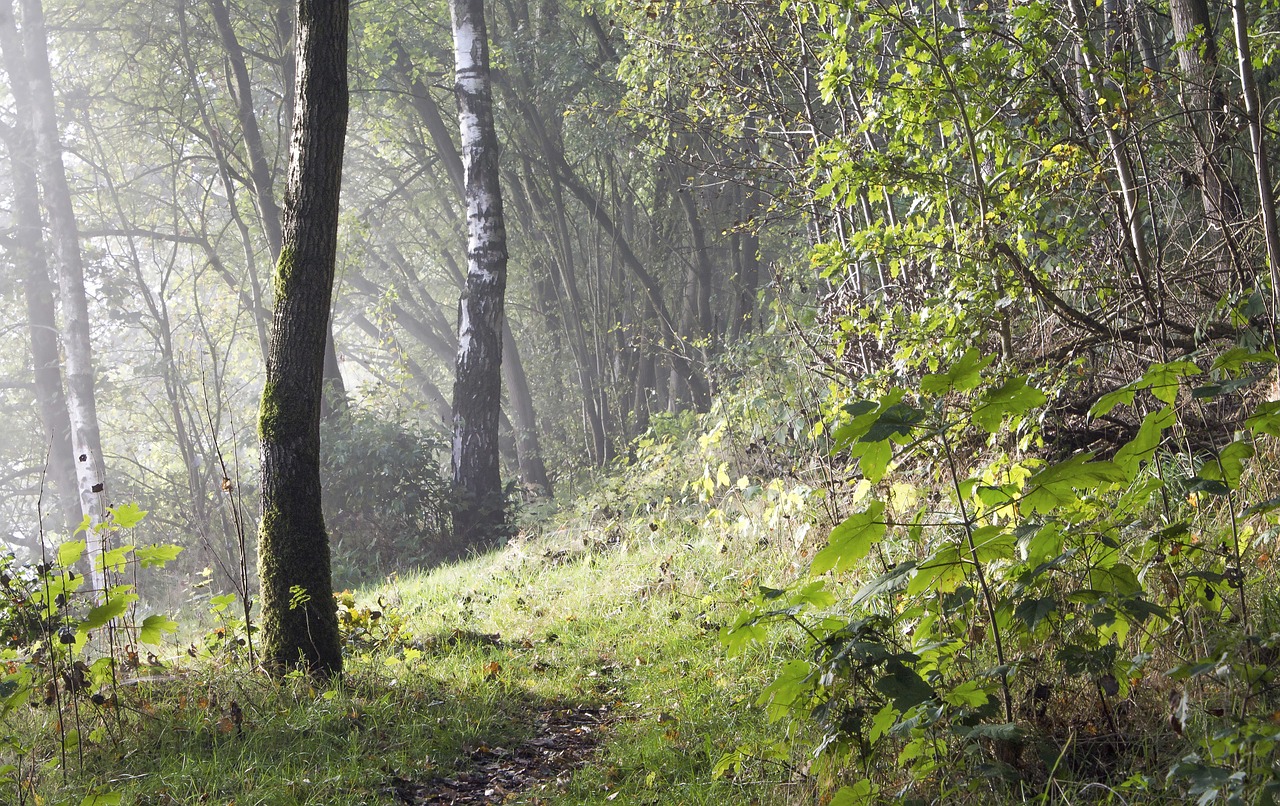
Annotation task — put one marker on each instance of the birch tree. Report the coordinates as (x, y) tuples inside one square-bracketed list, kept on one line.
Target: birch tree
[(38, 291), (478, 380), (81, 402)]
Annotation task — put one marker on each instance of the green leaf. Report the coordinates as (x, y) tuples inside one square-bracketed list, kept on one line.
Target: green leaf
[(1014, 396), (896, 419), (1263, 507), (1033, 611), (56, 587), (892, 580), (157, 556), (860, 407), (154, 628), (1042, 544), (113, 560), (127, 516), (1200, 484), (993, 543), (969, 694), (1265, 419), (1112, 399), (944, 570), (69, 553), (883, 721), (103, 613), (15, 699), (1164, 380), (220, 602), (1060, 484), (863, 793), (1212, 390), (102, 799), (865, 413), (1003, 732), (792, 682), (1119, 579), (1235, 359), (851, 540), (903, 685), (814, 594), (964, 375), (873, 459), (1143, 446), (745, 630), (1229, 465)]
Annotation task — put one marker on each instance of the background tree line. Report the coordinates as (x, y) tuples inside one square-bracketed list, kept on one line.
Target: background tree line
[(631, 271), (1079, 188)]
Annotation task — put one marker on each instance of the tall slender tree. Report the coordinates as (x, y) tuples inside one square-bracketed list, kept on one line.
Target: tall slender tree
[(478, 379), (81, 401), (38, 290), (299, 615)]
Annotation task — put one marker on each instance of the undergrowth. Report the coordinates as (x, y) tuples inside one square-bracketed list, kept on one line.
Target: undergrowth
[(919, 602), (615, 604)]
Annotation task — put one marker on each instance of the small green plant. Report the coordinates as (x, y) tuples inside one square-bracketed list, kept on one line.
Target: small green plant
[(298, 597), (1010, 586), (71, 649)]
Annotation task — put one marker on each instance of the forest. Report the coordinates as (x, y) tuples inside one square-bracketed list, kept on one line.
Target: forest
[(830, 402)]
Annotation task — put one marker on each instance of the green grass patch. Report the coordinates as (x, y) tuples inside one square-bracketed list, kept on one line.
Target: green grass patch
[(449, 673)]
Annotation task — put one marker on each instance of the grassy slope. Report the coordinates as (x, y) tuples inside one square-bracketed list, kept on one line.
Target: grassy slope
[(615, 612)]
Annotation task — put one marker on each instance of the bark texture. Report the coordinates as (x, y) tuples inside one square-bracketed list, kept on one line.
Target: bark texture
[(477, 389), (81, 403), (299, 614)]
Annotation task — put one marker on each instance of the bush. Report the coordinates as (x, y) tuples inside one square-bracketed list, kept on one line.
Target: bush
[(385, 497)]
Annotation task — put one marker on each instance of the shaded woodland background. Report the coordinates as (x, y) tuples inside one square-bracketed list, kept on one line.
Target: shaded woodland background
[(965, 310)]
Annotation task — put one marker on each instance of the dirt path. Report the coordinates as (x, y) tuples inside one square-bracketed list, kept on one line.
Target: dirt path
[(529, 772)]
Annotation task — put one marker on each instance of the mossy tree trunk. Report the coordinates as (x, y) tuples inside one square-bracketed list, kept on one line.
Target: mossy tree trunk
[(477, 396), (298, 612)]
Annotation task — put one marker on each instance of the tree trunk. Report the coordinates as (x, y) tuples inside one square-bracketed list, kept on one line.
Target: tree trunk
[(300, 624), (524, 420), (32, 262), (533, 470), (1204, 99), (335, 392), (481, 516), (1253, 107), (242, 90), (81, 404)]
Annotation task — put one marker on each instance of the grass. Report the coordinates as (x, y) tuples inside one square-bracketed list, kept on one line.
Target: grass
[(463, 664)]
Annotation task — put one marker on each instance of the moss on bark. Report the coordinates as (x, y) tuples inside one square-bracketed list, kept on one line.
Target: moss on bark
[(283, 278)]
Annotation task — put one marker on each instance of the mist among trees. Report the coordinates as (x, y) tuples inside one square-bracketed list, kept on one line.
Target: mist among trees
[(925, 350)]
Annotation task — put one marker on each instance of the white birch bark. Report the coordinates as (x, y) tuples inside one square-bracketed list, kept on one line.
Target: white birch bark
[(81, 403), (477, 386)]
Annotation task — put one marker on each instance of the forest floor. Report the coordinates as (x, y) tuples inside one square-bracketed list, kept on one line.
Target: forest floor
[(579, 664)]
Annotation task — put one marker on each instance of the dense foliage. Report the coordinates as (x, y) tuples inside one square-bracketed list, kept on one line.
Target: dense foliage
[(965, 309)]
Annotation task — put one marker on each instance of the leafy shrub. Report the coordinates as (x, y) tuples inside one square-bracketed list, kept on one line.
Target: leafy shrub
[(1032, 619), (386, 499)]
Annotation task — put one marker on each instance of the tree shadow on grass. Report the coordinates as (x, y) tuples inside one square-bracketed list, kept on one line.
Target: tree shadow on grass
[(387, 735)]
